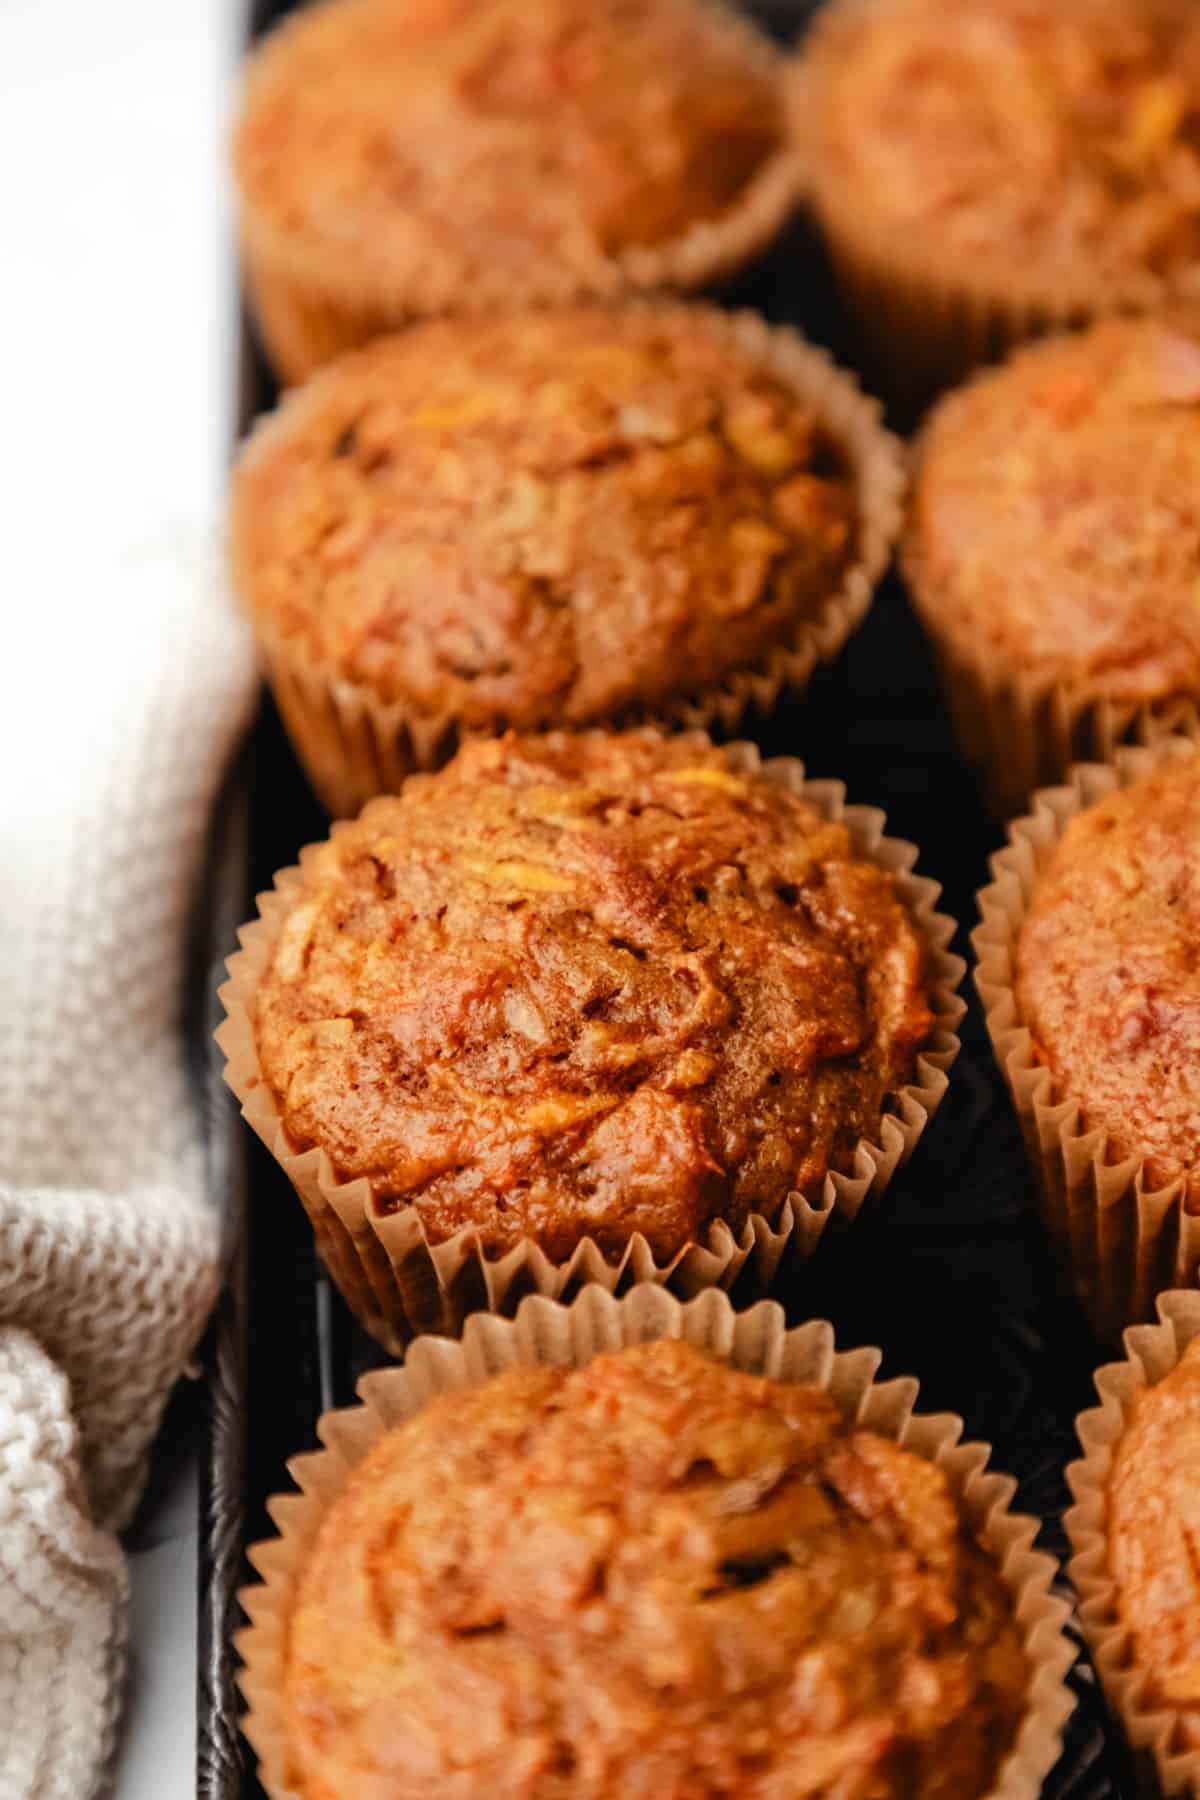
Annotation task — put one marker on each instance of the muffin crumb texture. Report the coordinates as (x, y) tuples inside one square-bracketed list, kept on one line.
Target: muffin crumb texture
[(546, 519), (499, 137), (1056, 512), (1058, 143), (590, 986), (1108, 980), (1154, 1540), (654, 1577)]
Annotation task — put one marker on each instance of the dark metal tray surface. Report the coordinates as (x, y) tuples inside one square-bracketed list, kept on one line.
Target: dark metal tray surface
[(950, 1275)]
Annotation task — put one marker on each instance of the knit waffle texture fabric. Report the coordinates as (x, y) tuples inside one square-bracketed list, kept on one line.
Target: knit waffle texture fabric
[(125, 684)]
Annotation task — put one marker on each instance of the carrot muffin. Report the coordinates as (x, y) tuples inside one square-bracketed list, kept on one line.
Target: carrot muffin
[(406, 157), (982, 170), (1134, 1530), (589, 987), (1107, 978), (553, 518), (1054, 541), (652, 1576), (1153, 1534)]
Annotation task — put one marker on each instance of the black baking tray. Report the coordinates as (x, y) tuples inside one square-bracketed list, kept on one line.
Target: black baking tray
[(950, 1275)]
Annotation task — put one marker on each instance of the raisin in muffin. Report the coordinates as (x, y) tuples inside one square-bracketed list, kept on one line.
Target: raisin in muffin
[(1054, 540), (397, 158), (553, 519), (654, 1575), (982, 171)]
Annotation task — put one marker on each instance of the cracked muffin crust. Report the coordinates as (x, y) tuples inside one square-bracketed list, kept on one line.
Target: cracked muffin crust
[(1154, 1540), (1054, 528), (400, 158), (1031, 146), (653, 1576), (1107, 977), (587, 987), (545, 519)]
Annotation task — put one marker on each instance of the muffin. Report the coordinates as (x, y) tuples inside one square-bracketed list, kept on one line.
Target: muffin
[(1133, 1531), (402, 158), (555, 519), (981, 172), (603, 1002), (1154, 1526), (1053, 543), (1088, 969), (648, 1572)]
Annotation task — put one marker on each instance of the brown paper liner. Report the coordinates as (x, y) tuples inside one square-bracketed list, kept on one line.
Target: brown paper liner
[(398, 1284), (355, 745), (310, 309), (1122, 1241), (1167, 1755), (920, 327), (1023, 733), (569, 1336), (915, 334)]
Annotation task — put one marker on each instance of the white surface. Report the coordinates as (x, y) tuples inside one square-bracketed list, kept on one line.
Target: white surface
[(117, 310), (118, 289), (156, 1759)]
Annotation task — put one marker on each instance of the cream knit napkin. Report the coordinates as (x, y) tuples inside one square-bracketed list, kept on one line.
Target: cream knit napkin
[(109, 1251), (125, 682), (109, 1247)]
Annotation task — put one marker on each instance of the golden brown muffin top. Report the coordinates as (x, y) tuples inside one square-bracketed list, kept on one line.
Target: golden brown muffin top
[(1047, 141), (1154, 1537), (588, 987), (1108, 977), (502, 136), (1055, 516), (543, 518), (654, 1577)]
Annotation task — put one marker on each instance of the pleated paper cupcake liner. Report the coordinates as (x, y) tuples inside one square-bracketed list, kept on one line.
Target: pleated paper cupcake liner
[(916, 335), (1122, 1240), (756, 1341), (1022, 733), (398, 1283), (353, 744), (923, 322), (310, 310), (1167, 1750)]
